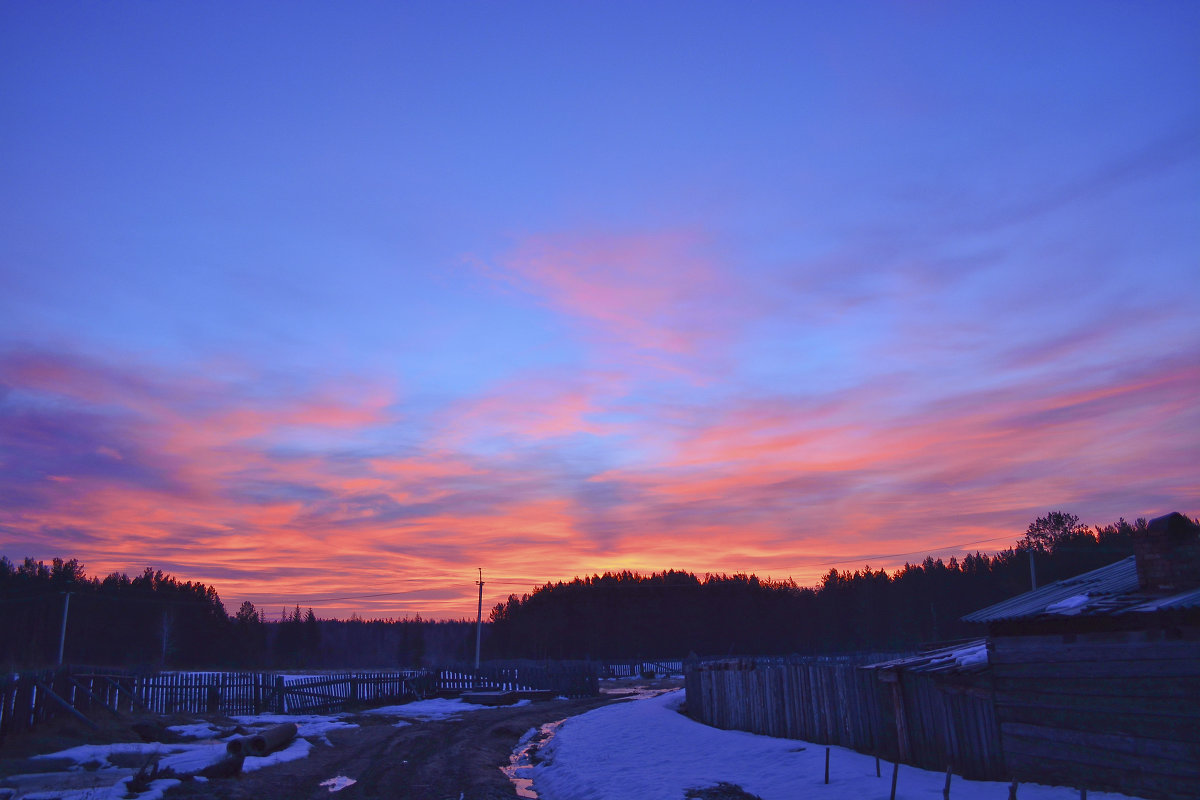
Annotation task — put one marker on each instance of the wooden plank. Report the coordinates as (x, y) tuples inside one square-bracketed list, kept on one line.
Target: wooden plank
[(1080, 760), (1184, 707), (1098, 669), (132, 697), (50, 694), (1150, 726), (94, 697), (1073, 652), (1109, 742), (1180, 687)]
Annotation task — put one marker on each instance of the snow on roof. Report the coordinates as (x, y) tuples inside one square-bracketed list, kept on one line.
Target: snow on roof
[(1106, 591), (961, 657)]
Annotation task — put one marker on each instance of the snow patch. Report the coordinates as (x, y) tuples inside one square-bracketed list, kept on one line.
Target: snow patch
[(436, 709), (1071, 605), (298, 749)]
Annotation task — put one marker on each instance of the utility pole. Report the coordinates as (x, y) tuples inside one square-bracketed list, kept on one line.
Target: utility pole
[(62, 634), (1032, 569), (479, 619)]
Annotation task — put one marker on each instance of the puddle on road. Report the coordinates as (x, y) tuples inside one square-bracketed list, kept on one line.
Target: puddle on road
[(521, 760), (637, 692)]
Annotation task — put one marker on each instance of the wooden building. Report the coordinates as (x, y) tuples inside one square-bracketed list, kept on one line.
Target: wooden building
[(1097, 678)]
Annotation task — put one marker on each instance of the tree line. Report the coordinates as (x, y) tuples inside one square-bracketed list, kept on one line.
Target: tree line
[(155, 621), (621, 615)]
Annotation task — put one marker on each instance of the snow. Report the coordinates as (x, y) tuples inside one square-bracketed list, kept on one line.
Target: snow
[(298, 749), (103, 780), (307, 725), (199, 730), (1071, 605), (974, 655), (424, 710), (108, 791), (646, 749)]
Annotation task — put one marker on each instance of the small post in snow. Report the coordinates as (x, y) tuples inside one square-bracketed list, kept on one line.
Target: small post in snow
[(946, 788), (826, 766), (877, 773), (895, 774), (1012, 791)]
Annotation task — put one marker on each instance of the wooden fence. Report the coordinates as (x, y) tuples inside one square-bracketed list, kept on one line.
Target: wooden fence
[(924, 719), (566, 678), (634, 669), (30, 698)]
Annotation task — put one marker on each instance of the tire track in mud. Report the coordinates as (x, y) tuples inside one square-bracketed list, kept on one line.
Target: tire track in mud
[(436, 760)]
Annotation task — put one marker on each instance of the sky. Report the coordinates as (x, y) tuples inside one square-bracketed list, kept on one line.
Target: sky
[(312, 301)]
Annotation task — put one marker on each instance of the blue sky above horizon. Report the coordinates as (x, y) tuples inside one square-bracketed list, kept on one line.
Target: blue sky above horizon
[(308, 300)]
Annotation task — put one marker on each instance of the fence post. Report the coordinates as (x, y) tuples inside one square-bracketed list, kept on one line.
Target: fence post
[(280, 705), (353, 688)]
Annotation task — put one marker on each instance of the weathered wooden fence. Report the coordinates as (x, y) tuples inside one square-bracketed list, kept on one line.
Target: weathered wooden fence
[(30, 698), (634, 669), (927, 719), (566, 678), (821, 702)]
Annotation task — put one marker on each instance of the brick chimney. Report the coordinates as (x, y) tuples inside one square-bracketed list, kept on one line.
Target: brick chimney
[(1168, 554)]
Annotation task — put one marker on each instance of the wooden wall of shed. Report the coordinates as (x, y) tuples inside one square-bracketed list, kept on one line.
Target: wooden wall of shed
[(1118, 711)]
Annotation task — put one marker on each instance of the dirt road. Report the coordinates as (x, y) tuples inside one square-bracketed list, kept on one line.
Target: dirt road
[(437, 760)]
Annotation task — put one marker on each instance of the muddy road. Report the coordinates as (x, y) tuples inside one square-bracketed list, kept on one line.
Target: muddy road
[(435, 760)]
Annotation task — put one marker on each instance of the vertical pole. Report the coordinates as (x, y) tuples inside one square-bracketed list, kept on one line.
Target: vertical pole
[(479, 620), (946, 788), (826, 765), (62, 634), (1032, 570), (895, 774)]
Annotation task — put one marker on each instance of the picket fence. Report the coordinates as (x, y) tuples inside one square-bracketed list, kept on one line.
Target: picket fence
[(634, 669), (88, 694)]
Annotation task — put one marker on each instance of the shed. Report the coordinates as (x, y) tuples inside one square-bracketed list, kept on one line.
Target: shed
[(1097, 678)]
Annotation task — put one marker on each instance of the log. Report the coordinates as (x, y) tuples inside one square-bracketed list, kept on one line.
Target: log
[(238, 747), (272, 739)]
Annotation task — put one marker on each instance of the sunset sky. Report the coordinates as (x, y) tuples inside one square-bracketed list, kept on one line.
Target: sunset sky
[(320, 300)]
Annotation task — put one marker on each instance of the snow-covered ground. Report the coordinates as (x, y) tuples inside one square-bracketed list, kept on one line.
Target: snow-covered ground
[(438, 708), (647, 749), (102, 772)]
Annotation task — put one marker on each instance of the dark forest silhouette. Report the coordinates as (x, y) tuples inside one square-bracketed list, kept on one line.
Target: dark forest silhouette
[(154, 620), (667, 614)]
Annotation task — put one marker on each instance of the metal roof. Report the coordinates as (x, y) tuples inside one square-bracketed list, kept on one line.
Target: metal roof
[(962, 657), (1108, 590)]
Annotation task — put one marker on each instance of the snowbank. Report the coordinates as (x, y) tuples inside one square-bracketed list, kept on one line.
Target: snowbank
[(646, 749)]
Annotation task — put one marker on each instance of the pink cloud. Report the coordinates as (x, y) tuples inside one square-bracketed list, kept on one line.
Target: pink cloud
[(663, 296)]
